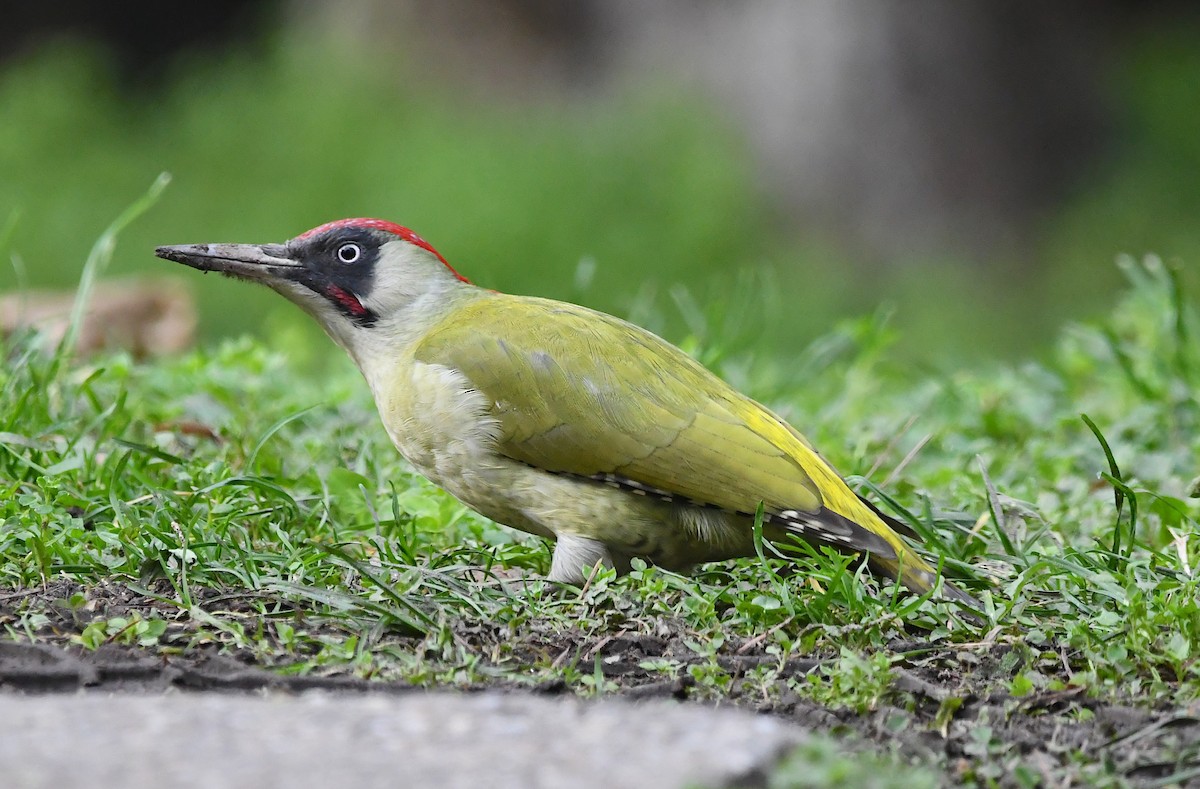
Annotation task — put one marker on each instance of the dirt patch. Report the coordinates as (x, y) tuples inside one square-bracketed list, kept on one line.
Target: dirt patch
[(947, 708)]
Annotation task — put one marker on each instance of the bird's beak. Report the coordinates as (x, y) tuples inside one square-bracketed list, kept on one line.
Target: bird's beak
[(263, 262)]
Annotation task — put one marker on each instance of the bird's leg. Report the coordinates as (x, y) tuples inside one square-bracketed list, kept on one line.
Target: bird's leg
[(575, 556)]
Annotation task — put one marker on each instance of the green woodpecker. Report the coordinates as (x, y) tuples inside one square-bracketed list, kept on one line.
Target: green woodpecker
[(558, 420)]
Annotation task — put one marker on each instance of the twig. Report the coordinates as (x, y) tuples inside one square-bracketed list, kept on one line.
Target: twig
[(883, 453), (907, 459)]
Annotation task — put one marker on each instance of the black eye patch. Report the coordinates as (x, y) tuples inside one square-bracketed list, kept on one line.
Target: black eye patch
[(340, 265)]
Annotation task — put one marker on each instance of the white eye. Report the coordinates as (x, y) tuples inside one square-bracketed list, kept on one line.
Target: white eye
[(349, 253)]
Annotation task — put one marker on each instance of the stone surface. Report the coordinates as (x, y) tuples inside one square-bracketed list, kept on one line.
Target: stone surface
[(408, 740)]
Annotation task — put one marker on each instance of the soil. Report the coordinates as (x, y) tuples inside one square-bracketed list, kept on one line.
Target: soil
[(946, 708)]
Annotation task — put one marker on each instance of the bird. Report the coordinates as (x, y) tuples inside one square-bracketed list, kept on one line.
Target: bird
[(562, 421)]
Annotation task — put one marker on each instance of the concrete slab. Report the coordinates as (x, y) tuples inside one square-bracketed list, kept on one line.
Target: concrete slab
[(321, 739)]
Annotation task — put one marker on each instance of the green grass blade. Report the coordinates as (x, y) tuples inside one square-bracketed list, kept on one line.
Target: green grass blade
[(98, 260)]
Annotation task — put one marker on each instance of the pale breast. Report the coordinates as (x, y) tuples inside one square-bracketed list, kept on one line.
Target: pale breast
[(445, 428), (439, 422)]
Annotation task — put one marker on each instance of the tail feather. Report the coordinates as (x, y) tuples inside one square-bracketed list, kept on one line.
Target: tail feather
[(911, 571), (868, 532), (897, 561), (898, 526)]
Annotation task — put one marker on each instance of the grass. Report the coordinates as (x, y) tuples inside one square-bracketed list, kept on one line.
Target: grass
[(253, 510)]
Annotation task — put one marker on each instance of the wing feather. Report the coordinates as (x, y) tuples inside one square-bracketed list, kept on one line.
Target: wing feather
[(579, 392), (633, 407)]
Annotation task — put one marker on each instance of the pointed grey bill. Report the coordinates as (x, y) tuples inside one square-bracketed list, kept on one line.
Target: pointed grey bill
[(254, 261)]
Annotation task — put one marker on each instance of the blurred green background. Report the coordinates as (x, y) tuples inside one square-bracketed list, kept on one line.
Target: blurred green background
[(644, 200)]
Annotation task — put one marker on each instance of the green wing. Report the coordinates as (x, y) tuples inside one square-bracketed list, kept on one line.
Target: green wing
[(582, 392)]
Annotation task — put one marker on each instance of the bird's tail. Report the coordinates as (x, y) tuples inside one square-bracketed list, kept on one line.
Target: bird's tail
[(912, 571), (862, 529)]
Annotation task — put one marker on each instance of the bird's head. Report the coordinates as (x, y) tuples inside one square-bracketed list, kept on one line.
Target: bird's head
[(352, 275)]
